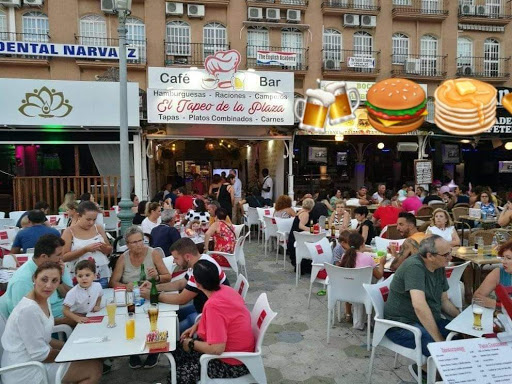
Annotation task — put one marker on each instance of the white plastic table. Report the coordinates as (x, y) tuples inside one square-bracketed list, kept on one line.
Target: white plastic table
[(116, 345), (464, 323)]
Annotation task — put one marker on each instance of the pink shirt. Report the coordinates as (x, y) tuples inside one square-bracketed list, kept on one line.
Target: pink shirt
[(412, 203), (227, 320), (364, 260)]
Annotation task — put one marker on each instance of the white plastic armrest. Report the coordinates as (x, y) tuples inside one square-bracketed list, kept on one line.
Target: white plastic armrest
[(245, 357), (383, 325), (225, 254), (172, 363), (35, 364), (66, 329)]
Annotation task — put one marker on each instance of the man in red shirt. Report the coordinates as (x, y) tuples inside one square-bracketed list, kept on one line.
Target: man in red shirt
[(184, 202), (386, 214)]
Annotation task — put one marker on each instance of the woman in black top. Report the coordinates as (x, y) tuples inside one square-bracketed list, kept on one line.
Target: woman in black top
[(140, 215), (225, 195), (364, 226), (300, 224)]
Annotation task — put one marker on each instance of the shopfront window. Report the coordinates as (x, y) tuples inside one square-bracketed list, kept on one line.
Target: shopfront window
[(400, 48), (214, 39), (292, 40), (93, 30), (136, 36), (332, 49), (178, 38), (257, 39), (35, 27)]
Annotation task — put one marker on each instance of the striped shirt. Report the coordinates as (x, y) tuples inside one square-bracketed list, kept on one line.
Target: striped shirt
[(201, 298)]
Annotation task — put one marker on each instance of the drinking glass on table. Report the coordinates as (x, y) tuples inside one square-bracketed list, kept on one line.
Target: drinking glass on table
[(153, 317), (111, 313), (130, 326), (478, 309)]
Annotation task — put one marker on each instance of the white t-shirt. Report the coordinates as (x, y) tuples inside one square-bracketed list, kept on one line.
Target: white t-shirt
[(267, 182), (147, 225), (444, 233), (377, 197), (83, 300), (353, 202)]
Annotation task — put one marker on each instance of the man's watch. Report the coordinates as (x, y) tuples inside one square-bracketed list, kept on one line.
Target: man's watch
[(191, 345)]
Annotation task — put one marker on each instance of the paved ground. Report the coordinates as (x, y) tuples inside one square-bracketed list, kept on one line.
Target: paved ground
[(295, 348)]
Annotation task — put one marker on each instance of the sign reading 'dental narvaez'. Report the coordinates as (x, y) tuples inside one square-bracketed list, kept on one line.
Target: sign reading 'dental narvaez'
[(66, 50), (276, 58), (361, 62), (65, 103)]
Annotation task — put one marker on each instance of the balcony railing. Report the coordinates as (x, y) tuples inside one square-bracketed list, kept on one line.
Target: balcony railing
[(427, 8), (485, 11), (183, 53), (357, 5), (108, 42), (297, 3), (27, 38), (483, 67), (412, 66), (345, 61), (301, 58)]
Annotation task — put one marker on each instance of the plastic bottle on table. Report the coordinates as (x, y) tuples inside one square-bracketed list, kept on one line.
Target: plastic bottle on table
[(137, 299)]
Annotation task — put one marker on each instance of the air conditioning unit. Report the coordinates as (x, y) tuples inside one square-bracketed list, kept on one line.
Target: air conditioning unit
[(467, 9), (107, 6), (406, 147), (465, 70), (273, 14), (329, 64), (10, 3), (195, 10), (481, 10), (413, 66), (254, 13), (368, 21), (33, 3), (293, 15), (175, 9), (351, 20)]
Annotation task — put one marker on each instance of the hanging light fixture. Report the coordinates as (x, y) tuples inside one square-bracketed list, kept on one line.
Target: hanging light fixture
[(508, 146), (380, 145)]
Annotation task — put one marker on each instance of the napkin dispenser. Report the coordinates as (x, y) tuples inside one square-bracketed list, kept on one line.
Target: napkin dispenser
[(120, 296)]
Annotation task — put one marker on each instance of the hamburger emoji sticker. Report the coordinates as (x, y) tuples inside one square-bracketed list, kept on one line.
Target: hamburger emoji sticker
[(465, 106), (396, 106)]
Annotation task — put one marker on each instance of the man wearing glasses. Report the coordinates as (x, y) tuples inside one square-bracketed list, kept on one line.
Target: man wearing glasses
[(418, 295)]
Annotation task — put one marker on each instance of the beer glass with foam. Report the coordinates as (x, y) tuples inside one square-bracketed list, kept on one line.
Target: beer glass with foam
[(316, 107), (478, 310), (111, 313), (153, 317), (342, 110)]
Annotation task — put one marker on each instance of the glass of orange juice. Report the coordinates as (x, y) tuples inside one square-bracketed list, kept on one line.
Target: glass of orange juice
[(130, 326), (111, 313)]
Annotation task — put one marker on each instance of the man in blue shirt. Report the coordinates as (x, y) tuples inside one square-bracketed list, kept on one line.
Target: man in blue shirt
[(28, 237), (164, 234), (48, 248)]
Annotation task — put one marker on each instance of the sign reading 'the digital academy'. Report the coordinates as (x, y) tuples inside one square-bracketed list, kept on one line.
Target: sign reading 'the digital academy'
[(220, 94)]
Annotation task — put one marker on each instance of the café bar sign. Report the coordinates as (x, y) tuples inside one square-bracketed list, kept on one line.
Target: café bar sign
[(65, 50), (220, 94), (27, 102)]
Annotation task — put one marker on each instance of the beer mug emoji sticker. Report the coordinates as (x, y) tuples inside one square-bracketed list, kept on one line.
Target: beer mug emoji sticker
[(333, 103)]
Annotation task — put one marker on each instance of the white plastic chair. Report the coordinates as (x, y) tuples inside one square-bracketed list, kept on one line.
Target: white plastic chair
[(238, 229), (301, 252), (345, 284), (284, 226), (15, 215), (99, 219), (378, 295), (320, 252), (353, 223), (110, 221), (56, 220), (241, 285), (456, 290), (9, 261), (261, 316), (263, 212), (2, 215), (231, 257), (252, 219), (240, 255), (7, 235), (382, 244), (270, 230), (7, 223), (169, 264)]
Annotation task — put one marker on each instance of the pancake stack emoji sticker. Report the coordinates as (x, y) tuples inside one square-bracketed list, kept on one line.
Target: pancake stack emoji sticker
[(396, 106), (465, 106)]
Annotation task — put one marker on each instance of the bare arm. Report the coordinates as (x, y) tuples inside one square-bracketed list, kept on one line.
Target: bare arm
[(455, 239), (303, 220), (485, 289), (117, 274), (291, 212), (105, 248), (181, 298), (378, 271), (448, 307), (73, 316), (232, 194), (424, 314), (364, 232), (51, 356), (406, 250), (209, 233), (163, 272), (204, 347), (503, 220), (177, 285), (15, 250)]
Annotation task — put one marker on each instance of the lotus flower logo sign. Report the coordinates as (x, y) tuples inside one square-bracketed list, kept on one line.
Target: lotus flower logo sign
[(45, 103)]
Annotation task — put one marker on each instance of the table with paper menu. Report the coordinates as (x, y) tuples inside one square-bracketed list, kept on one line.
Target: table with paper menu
[(482, 361)]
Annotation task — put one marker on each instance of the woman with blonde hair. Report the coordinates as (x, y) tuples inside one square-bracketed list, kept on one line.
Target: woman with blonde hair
[(284, 208), (340, 216), (442, 225), (68, 199), (153, 211)]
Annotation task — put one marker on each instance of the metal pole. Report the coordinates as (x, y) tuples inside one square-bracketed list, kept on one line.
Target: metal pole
[(125, 214)]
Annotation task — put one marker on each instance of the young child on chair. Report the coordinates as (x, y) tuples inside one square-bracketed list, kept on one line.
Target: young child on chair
[(86, 295)]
